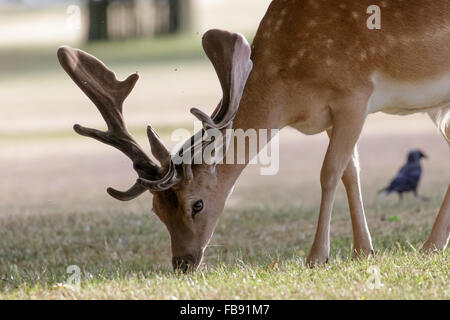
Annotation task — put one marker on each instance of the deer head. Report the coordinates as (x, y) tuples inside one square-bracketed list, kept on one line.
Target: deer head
[(187, 198)]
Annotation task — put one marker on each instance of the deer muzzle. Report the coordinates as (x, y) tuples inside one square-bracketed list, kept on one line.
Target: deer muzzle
[(184, 264)]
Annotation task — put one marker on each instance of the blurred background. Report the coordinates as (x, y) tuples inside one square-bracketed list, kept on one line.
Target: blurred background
[(155, 37), (56, 179)]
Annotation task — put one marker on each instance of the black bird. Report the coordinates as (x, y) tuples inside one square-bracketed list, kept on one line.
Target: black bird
[(408, 178)]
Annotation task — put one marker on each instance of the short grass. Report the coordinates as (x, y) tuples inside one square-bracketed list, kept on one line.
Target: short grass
[(124, 255)]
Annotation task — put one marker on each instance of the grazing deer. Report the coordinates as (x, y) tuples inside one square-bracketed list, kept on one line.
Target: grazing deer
[(315, 66)]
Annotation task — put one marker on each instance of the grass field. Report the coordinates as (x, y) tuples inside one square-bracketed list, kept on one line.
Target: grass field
[(54, 211)]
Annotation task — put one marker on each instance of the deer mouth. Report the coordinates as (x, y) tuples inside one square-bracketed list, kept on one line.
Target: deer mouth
[(184, 264)]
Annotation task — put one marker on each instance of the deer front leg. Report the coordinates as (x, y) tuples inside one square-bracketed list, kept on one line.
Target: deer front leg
[(440, 233), (347, 126), (362, 242)]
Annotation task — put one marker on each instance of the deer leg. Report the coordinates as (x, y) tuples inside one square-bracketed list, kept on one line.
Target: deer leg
[(362, 242), (347, 126), (440, 233)]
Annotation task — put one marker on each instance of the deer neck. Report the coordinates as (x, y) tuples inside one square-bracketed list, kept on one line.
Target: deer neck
[(256, 112)]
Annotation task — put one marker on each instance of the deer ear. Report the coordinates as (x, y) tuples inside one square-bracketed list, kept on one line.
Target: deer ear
[(230, 56)]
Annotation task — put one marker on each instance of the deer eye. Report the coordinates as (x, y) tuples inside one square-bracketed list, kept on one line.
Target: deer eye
[(197, 208)]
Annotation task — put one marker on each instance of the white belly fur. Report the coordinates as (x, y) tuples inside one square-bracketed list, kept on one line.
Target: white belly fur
[(395, 97)]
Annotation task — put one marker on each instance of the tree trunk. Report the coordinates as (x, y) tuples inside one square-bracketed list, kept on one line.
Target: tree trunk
[(98, 20), (174, 16), (186, 12)]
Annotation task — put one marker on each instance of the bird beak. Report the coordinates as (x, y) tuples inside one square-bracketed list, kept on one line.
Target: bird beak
[(424, 156)]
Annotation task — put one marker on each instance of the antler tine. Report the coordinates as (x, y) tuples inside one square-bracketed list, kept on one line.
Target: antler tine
[(108, 94), (135, 191), (208, 121), (159, 150)]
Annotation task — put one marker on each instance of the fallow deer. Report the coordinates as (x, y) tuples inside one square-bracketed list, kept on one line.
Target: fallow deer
[(314, 65)]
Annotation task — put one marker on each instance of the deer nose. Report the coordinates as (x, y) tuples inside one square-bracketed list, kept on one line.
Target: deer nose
[(182, 264)]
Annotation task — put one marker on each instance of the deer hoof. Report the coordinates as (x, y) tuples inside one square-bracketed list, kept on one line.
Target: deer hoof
[(431, 247), (363, 253), (316, 260)]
